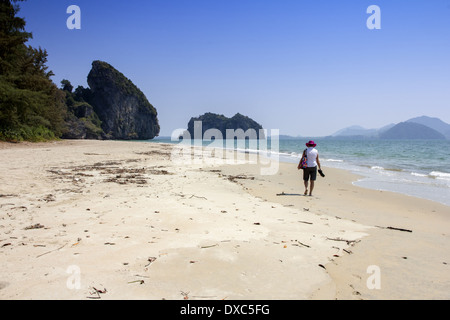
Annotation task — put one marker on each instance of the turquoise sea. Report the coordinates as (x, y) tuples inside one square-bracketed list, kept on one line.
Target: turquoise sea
[(419, 168)]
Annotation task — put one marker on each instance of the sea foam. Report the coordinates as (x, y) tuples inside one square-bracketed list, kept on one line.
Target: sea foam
[(440, 175)]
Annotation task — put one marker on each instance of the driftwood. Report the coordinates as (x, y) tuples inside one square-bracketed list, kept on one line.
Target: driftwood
[(97, 292), (240, 177), (36, 226), (339, 239), (194, 196), (305, 245), (399, 229), (150, 261), (51, 251), (396, 229), (211, 246)]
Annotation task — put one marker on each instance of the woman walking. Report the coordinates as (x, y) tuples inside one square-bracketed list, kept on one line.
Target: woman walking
[(310, 173)]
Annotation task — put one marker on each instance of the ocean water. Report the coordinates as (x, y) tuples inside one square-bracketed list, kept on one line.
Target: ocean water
[(419, 168)]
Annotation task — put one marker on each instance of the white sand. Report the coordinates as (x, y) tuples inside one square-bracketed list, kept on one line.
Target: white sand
[(411, 265), (136, 225)]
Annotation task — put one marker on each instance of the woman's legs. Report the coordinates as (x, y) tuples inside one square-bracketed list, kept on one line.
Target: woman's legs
[(309, 174), (311, 187)]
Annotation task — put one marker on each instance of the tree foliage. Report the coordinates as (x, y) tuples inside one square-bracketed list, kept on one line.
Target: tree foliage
[(31, 106), (81, 120)]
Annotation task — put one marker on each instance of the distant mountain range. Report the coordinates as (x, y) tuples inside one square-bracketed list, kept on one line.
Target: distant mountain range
[(416, 128)]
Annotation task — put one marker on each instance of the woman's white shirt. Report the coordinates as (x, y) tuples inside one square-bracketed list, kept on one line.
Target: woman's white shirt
[(312, 157)]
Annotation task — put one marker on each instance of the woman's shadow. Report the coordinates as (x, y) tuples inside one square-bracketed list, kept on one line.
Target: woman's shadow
[(289, 194)]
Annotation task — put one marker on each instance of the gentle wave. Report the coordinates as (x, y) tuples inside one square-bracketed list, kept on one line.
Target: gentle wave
[(440, 175), (419, 174), (333, 160), (386, 169)]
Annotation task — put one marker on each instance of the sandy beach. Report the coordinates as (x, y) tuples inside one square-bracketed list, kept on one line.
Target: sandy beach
[(121, 220)]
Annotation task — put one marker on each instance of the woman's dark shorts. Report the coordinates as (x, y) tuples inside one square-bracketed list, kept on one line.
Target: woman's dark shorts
[(310, 173)]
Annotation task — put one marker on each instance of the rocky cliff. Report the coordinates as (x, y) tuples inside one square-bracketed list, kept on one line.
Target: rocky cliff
[(124, 111)]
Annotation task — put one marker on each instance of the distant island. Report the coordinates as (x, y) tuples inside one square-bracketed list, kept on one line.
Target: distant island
[(411, 130), (250, 128), (423, 127)]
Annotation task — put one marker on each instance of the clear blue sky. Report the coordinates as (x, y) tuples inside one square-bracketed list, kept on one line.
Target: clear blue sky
[(307, 68)]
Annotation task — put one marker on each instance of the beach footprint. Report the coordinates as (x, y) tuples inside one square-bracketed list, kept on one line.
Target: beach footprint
[(3, 285)]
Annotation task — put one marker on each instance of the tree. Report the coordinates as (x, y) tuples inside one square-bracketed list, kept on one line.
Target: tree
[(12, 36), (31, 106), (66, 85)]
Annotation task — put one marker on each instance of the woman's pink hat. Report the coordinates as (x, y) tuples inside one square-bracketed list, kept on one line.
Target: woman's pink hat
[(311, 144)]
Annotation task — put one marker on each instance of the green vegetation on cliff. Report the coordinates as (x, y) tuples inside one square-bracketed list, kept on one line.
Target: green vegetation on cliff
[(81, 120)]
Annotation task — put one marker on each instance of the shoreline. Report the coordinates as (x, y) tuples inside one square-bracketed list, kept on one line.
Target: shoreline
[(190, 232), (367, 179)]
